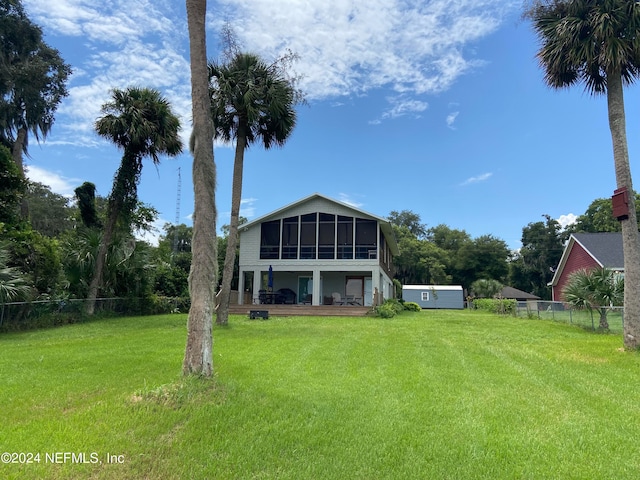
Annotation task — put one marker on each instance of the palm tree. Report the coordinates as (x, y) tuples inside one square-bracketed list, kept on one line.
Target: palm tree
[(597, 42), (250, 101), (13, 283), (596, 289), (141, 123), (198, 355), (484, 288)]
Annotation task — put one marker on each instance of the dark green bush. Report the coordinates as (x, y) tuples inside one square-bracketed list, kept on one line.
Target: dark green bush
[(390, 308), (494, 305), (412, 307), (386, 310)]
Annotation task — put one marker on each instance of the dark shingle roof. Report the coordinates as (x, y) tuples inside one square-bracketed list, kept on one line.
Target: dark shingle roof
[(510, 292), (606, 248)]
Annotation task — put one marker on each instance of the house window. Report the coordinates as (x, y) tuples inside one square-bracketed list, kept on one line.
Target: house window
[(425, 296), (327, 236), (290, 238), (308, 236), (270, 239), (366, 233), (345, 237)]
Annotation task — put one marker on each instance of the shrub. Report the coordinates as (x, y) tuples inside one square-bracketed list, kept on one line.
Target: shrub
[(390, 308), (412, 307), (494, 305), (386, 310)]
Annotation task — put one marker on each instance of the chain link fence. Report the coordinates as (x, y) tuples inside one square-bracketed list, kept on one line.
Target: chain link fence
[(49, 313), (562, 312)]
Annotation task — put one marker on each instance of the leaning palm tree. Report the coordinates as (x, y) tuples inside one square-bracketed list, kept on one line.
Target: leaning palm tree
[(250, 101), (597, 42), (140, 122), (198, 356), (597, 289)]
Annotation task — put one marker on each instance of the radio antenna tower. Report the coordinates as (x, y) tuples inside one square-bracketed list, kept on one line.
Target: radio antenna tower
[(175, 225)]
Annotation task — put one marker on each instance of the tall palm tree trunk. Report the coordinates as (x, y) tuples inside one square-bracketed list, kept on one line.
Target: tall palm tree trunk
[(630, 237), (198, 355), (101, 258), (222, 316)]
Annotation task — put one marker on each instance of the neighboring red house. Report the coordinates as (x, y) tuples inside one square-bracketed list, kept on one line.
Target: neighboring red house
[(586, 251)]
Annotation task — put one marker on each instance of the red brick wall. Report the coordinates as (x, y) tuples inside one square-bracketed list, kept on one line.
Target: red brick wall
[(578, 259)]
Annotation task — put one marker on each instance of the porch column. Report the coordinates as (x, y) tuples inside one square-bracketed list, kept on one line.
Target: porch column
[(375, 284), (241, 288), (257, 278), (316, 300)]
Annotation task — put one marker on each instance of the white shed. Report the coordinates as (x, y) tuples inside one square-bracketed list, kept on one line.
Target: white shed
[(434, 296)]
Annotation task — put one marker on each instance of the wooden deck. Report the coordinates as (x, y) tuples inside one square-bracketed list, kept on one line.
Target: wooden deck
[(302, 310)]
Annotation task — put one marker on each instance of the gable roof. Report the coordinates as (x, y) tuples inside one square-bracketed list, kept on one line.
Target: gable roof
[(604, 247), (514, 293), (385, 225)]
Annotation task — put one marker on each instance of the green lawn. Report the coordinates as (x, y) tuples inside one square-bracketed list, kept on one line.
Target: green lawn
[(428, 395)]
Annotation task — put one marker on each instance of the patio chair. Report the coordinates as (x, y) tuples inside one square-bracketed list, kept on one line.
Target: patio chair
[(337, 299), (262, 296)]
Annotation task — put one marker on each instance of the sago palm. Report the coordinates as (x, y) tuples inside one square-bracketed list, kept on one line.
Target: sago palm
[(596, 42), (251, 101), (140, 122)]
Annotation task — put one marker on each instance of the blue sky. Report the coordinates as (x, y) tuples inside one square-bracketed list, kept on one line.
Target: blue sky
[(437, 107)]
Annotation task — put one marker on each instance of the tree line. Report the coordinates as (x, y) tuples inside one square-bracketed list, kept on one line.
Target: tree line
[(443, 255)]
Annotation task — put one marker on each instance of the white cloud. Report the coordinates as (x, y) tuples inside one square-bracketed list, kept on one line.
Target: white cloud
[(247, 210), (152, 236), (451, 118), (348, 47), (113, 22), (402, 106), (568, 219), (127, 44), (479, 178), (57, 183), (348, 199)]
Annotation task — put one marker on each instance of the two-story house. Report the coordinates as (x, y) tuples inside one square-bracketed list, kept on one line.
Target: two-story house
[(317, 251)]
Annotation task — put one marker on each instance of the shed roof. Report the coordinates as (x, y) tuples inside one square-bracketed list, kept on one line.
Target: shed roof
[(432, 287)]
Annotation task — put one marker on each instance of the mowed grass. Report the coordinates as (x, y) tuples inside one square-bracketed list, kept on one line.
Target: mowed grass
[(429, 395)]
